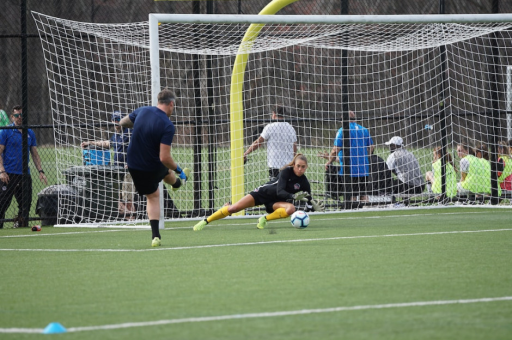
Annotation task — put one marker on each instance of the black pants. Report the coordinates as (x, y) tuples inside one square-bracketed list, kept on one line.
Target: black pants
[(273, 173), (400, 187), (15, 188)]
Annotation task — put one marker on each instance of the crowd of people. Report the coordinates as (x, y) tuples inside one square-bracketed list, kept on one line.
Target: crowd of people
[(148, 146), (370, 175)]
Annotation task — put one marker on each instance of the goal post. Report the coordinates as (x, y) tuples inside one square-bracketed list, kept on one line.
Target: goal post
[(256, 24), (392, 83)]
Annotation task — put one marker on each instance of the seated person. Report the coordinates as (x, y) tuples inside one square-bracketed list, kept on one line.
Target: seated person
[(504, 166), (378, 184), (380, 176), (130, 203), (333, 181), (406, 168), (434, 176), (475, 173)]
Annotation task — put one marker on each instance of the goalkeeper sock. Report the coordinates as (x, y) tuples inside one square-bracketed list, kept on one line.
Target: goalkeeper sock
[(154, 229), (278, 213), (221, 213), (177, 184)]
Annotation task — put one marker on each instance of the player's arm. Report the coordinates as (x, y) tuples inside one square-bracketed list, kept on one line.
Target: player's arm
[(281, 192), (37, 162), (166, 158), (3, 175), (464, 169), (371, 148), (332, 155), (254, 146), (126, 122), (101, 143)]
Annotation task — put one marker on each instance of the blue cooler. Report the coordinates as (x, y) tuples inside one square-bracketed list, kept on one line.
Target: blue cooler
[(96, 157)]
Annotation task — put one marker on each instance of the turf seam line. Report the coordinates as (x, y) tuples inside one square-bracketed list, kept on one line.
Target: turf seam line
[(263, 315)]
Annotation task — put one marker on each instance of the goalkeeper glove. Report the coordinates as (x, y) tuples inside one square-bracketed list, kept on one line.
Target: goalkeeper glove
[(181, 174), (300, 196), (317, 205)]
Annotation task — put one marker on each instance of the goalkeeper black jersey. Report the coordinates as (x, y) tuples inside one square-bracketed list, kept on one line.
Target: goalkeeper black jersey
[(285, 186)]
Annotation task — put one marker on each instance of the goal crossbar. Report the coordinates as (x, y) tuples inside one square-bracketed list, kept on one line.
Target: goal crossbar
[(330, 19)]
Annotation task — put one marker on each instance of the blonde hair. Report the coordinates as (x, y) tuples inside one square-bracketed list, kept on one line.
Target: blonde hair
[(292, 163)]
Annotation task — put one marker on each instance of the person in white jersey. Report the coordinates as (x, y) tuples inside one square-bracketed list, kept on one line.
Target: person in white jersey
[(281, 142)]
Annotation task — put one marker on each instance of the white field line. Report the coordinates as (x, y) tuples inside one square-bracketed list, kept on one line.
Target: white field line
[(69, 233), (259, 243), (142, 228), (263, 315)]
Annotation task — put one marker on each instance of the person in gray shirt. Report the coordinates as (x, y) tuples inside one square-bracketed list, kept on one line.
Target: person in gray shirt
[(406, 168)]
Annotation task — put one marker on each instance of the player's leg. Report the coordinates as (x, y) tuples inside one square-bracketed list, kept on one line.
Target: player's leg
[(175, 181), (171, 179), (153, 210), (281, 210), (246, 202), (5, 198), (146, 183), (127, 192), (24, 198)]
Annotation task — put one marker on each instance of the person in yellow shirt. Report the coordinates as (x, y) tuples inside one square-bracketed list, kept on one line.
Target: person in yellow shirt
[(434, 176), (475, 173)]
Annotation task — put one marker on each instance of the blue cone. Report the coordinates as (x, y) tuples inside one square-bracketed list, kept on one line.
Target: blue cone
[(54, 327)]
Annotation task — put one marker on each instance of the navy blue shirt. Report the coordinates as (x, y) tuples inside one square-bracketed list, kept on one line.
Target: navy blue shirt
[(12, 156), (151, 127), (119, 142)]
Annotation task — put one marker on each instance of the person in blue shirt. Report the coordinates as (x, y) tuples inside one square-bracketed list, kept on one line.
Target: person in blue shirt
[(119, 141), (149, 154), (11, 169), (361, 145)]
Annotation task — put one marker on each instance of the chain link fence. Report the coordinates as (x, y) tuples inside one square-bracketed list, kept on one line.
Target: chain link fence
[(38, 107)]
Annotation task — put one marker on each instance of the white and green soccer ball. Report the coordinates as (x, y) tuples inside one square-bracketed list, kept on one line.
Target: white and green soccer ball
[(299, 219)]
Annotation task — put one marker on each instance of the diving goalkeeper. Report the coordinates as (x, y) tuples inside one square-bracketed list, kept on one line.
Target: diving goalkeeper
[(276, 196)]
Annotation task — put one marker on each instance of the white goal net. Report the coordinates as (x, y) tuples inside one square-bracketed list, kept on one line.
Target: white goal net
[(436, 86)]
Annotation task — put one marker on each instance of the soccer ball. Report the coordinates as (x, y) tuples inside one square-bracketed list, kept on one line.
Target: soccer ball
[(300, 219)]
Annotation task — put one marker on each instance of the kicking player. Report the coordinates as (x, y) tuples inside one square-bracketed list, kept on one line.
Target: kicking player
[(291, 184), (149, 154)]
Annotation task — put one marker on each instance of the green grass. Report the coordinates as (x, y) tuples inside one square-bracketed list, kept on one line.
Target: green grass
[(342, 260)]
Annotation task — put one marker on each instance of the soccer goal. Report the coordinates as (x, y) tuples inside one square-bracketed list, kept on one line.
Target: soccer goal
[(434, 81)]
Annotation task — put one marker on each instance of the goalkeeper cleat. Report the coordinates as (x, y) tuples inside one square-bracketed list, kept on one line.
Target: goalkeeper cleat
[(200, 225), (185, 173), (262, 222), (156, 242)]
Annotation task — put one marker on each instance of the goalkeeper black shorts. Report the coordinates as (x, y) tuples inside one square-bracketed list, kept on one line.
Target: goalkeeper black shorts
[(146, 182), (261, 199)]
